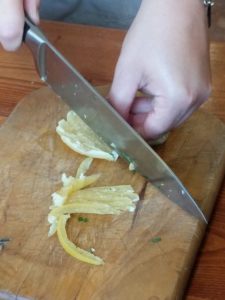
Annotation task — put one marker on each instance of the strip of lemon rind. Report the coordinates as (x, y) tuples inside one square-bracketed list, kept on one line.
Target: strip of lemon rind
[(97, 200), (60, 197), (84, 166), (71, 248), (91, 153), (52, 228), (82, 169), (71, 198), (106, 193), (89, 208), (79, 137)]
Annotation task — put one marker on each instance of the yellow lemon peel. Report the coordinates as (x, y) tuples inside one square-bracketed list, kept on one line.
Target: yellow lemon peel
[(78, 136), (106, 194), (73, 198), (71, 248), (60, 197), (84, 166), (91, 207)]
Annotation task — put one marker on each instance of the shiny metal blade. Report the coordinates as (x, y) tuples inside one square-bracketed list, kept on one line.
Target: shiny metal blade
[(69, 84)]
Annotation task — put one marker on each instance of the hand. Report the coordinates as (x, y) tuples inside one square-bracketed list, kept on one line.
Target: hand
[(165, 55), (12, 20)]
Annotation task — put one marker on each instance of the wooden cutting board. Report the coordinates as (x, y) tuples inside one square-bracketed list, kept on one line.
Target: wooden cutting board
[(33, 266)]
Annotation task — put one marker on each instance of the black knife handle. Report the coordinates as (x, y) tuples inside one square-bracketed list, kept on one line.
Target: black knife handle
[(25, 30)]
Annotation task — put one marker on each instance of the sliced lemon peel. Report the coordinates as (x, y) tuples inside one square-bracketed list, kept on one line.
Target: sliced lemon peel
[(84, 166), (73, 198), (71, 248), (105, 194), (76, 184), (78, 136), (92, 207)]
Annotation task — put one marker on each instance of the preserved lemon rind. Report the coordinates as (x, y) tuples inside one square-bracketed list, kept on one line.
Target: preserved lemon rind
[(82, 169), (53, 228), (105, 194), (60, 197), (92, 207), (73, 198), (71, 248), (77, 135), (84, 166)]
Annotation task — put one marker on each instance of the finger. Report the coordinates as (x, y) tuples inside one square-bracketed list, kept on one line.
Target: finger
[(124, 87), (160, 119), (140, 109), (141, 105), (11, 23), (32, 9), (137, 121)]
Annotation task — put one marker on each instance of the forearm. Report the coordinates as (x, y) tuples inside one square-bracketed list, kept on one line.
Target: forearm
[(174, 16), (174, 8), (171, 13)]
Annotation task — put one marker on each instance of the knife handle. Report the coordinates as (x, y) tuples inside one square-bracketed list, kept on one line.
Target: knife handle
[(25, 30), (36, 41), (32, 32)]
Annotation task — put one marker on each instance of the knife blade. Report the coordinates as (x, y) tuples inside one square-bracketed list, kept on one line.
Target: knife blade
[(99, 115)]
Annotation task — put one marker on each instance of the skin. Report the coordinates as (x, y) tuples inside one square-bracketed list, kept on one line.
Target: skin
[(165, 55), (12, 21)]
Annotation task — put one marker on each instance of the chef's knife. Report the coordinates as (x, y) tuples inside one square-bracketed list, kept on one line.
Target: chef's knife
[(70, 85)]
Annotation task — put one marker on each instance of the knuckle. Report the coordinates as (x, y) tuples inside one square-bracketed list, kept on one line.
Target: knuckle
[(191, 97), (154, 130), (184, 95), (205, 92)]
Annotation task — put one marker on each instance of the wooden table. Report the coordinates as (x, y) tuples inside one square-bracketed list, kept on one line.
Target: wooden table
[(94, 51)]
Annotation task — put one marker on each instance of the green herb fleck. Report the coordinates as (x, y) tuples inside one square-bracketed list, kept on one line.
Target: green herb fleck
[(156, 239), (83, 219)]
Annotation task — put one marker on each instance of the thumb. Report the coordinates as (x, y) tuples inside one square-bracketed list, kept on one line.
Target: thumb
[(124, 86)]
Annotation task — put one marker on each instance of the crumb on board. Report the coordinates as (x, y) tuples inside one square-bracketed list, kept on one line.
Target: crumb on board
[(3, 243)]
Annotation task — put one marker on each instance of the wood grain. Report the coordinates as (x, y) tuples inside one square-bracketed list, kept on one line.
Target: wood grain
[(217, 30), (18, 78), (31, 164)]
